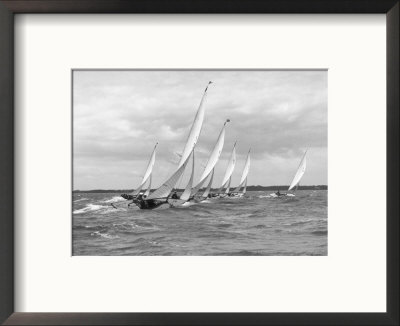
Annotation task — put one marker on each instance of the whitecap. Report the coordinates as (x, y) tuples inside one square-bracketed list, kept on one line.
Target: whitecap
[(104, 235), (80, 199), (115, 199), (89, 208)]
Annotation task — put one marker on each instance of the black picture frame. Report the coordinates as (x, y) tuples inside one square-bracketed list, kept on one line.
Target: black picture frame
[(7, 11)]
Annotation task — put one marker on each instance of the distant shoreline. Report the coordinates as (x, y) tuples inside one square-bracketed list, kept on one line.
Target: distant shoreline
[(249, 188)]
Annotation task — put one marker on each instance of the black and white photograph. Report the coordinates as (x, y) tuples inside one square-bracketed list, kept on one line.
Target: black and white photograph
[(199, 162)]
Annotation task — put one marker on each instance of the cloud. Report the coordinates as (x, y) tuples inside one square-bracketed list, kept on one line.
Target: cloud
[(120, 115)]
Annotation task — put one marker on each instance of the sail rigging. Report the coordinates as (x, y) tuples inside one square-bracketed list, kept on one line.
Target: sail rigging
[(300, 172), (245, 172), (148, 172), (213, 159), (165, 189)]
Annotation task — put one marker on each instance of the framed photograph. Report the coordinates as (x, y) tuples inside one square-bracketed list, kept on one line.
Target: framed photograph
[(213, 163)]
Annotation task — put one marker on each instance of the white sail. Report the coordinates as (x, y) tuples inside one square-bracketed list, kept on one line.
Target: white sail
[(230, 167), (166, 188), (246, 169), (195, 129), (186, 193), (245, 187), (245, 172), (213, 159), (149, 187), (208, 189), (300, 172), (147, 173), (228, 186)]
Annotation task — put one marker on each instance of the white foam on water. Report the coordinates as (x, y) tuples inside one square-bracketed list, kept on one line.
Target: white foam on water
[(89, 208), (104, 235), (115, 199), (80, 199), (188, 203)]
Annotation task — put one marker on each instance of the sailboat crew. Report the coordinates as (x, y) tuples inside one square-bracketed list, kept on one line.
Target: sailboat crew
[(127, 197)]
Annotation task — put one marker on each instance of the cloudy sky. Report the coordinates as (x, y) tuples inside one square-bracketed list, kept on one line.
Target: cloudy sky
[(118, 116)]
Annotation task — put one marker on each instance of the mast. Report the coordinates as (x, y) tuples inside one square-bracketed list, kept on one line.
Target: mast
[(165, 189), (148, 172), (213, 159), (300, 171)]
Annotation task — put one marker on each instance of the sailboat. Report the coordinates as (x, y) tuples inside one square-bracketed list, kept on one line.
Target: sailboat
[(174, 200), (161, 195), (243, 180), (208, 170), (226, 181), (146, 177), (296, 179)]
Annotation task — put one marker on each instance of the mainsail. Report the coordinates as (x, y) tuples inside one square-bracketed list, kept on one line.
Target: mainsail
[(300, 172), (228, 186), (208, 189), (245, 172), (195, 129), (148, 172), (213, 159), (148, 187), (166, 188), (186, 193), (245, 187), (229, 169)]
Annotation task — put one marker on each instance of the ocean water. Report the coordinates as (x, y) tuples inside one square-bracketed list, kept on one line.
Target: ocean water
[(253, 225)]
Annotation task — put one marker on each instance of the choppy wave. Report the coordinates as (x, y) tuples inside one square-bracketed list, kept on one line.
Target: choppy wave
[(89, 208), (104, 235), (81, 199), (250, 226), (115, 199)]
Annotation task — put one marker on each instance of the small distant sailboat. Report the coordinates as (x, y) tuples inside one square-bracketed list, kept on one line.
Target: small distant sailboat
[(296, 179), (161, 195), (243, 180)]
